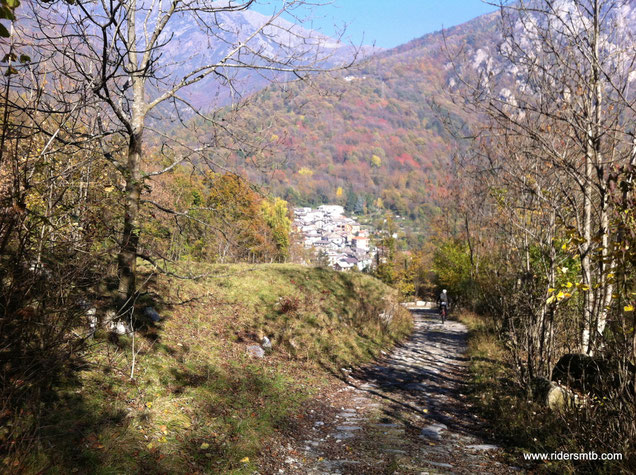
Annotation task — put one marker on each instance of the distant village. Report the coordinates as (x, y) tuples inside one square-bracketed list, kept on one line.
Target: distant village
[(336, 238)]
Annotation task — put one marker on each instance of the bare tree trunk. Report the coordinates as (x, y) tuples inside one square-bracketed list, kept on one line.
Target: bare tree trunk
[(593, 311), (607, 266), (586, 249), (127, 258)]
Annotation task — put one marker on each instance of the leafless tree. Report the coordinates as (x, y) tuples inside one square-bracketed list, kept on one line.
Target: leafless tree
[(123, 61), (561, 105)]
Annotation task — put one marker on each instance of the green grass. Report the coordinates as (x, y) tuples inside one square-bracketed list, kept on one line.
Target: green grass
[(198, 402)]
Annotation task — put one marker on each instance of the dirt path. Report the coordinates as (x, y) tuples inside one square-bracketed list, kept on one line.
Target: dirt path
[(405, 414)]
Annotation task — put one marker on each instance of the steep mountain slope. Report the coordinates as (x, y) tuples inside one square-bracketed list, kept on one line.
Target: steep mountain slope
[(250, 49), (373, 137), (376, 137), (190, 47)]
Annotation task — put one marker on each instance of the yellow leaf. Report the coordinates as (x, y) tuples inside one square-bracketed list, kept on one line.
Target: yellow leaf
[(567, 295), (560, 295), (564, 247), (245, 460), (150, 445), (569, 285), (550, 300), (205, 446), (163, 429), (551, 289), (149, 405), (628, 308)]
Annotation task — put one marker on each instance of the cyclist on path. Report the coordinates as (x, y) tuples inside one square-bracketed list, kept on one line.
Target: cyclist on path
[(443, 303)]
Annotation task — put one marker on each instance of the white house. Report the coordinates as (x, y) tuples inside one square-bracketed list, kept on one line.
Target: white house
[(332, 210), (361, 242)]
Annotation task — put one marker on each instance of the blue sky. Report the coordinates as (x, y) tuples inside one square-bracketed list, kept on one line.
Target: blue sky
[(389, 22)]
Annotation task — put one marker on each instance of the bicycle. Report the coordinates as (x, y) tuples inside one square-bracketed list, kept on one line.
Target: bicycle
[(443, 312)]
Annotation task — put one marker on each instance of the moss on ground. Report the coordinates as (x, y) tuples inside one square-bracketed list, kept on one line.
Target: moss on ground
[(197, 402)]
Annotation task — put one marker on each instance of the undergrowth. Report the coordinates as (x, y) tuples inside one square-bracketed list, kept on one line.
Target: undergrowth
[(520, 424), (197, 402)]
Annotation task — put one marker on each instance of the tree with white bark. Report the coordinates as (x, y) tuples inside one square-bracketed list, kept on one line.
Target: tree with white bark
[(561, 119)]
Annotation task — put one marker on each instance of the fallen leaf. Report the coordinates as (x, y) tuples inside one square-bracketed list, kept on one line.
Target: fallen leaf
[(205, 446), (245, 460)]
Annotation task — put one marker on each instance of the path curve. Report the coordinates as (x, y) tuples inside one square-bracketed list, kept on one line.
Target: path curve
[(404, 414)]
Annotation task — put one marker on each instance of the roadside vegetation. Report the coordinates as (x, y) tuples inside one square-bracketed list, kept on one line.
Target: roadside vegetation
[(513, 419), (524, 425), (197, 401)]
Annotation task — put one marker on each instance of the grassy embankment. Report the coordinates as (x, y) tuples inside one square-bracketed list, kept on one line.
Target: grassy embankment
[(198, 402), (519, 423)]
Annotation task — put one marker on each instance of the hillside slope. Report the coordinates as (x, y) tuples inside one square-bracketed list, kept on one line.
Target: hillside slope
[(198, 403), (372, 137)]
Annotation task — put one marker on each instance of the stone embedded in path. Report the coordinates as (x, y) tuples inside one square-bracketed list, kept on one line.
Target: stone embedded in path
[(438, 464), (387, 426), (348, 414), (483, 447), (348, 427), (433, 431)]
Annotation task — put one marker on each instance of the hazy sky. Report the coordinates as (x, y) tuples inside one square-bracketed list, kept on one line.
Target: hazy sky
[(390, 22)]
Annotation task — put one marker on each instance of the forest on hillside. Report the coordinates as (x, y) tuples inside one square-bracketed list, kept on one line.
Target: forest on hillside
[(373, 138)]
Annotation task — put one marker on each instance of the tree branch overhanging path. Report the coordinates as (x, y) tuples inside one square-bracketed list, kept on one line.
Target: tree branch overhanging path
[(112, 58)]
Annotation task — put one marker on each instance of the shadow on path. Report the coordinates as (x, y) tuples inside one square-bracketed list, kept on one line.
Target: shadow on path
[(406, 413), (426, 375)]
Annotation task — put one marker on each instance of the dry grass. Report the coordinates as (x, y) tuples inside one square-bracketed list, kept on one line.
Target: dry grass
[(516, 421), (198, 403)]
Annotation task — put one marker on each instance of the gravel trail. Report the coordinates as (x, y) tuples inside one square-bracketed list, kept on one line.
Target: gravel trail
[(404, 414)]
